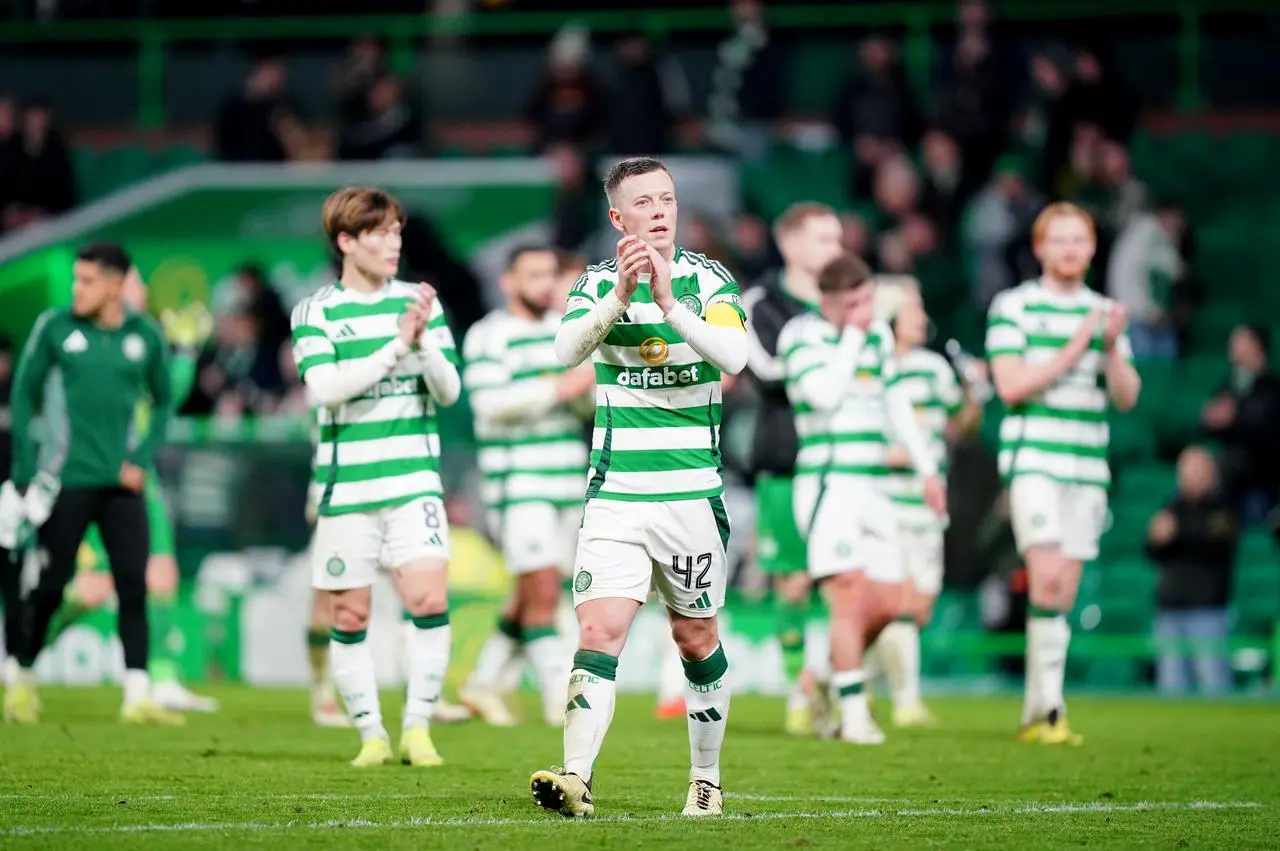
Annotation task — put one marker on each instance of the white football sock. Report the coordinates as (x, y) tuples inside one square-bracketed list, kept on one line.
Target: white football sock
[(706, 702), (899, 645), (137, 685), (500, 649), (429, 645), (351, 666), (545, 650), (1050, 638), (850, 688), (592, 694)]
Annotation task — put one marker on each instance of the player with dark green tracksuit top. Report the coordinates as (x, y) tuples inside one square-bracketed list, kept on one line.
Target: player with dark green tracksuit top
[(92, 586), (81, 375)]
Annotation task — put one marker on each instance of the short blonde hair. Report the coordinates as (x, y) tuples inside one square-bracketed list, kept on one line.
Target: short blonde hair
[(356, 209), (1059, 210)]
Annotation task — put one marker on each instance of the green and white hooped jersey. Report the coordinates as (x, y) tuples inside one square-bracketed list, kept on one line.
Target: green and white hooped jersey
[(541, 459), (1061, 433), (382, 448), (852, 439), (319, 475), (927, 379), (658, 403)]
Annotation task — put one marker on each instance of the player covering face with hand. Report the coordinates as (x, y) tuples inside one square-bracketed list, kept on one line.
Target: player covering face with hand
[(840, 373), (661, 325)]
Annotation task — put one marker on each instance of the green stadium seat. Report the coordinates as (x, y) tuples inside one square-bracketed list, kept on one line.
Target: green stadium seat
[(124, 166)]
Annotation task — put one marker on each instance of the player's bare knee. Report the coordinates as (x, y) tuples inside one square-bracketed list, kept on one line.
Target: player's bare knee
[(842, 592), (424, 589), (696, 638), (601, 634), (349, 611)]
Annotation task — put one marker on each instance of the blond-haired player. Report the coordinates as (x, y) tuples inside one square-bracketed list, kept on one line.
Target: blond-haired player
[(929, 383), (1059, 357)]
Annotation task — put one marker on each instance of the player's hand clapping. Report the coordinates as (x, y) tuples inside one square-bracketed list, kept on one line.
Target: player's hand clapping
[(414, 320), (633, 261), (660, 280), (1079, 344), (1117, 321)]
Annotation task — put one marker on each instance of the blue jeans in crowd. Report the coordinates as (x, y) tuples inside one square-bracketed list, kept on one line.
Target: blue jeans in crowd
[(1152, 343), (1192, 644)]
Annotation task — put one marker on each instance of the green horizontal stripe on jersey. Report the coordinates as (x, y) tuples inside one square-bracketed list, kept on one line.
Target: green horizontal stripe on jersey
[(360, 347), (908, 500), (348, 473), (927, 375), (609, 374), (998, 321), (531, 341), (673, 496), (1042, 307), (1034, 472), (830, 339), (1053, 341), (575, 314), (333, 511), (1056, 447), (530, 440), (308, 331), (540, 372), (315, 360), (1075, 416), (635, 333), (657, 460), (1006, 350), (698, 415), (795, 379), (356, 310), (507, 472), (377, 430), (844, 437)]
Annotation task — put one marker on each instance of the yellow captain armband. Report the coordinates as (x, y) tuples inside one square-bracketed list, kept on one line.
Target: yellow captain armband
[(724, 316)]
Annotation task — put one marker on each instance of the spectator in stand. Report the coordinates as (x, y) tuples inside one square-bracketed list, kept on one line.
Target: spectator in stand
[(1243, 415), (1193, 541), (390, 129), (1147, 273), (1188, 292), (10, 157), (973, 105), (255, 123), (568, 105), (949, 181), (650, 95), (1046, 86), (995, 232), (1092, 96), (876, 114), (45, 183), (253, 294), (746, 85), (578, 200), (364, 64), (855, 235)]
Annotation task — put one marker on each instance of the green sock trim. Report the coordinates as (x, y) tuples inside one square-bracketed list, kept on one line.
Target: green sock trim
[(707, 671), (343, 637), (317, 636), (602, 665), (1038, 612), (531, 634), (405, 616), (431, 621), (792, 617), (509, 628), (851, 689), (162, 613), (904, 619)]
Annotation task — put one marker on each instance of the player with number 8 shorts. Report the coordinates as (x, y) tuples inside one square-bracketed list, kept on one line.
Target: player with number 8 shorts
[(377, 357)]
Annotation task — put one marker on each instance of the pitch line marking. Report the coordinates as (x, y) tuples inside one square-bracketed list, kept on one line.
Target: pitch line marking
[(1088, 807)]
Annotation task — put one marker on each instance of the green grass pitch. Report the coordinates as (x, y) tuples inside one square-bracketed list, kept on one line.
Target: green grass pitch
[(1150, 775)]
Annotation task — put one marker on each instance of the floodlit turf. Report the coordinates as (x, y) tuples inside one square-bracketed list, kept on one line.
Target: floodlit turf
[(1150, 775)]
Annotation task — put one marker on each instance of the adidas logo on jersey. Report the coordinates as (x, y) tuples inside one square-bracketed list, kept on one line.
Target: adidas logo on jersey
[(345, 332), (703, 602), (75, 342)]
